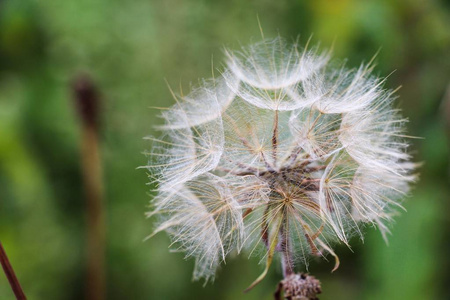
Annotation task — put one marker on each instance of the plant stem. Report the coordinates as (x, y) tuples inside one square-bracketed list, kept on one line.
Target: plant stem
[(95, 216), (87, 100), (287, 262), (9, 272)]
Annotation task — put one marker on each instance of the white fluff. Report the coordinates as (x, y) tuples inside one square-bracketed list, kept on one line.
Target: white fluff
[(280, 148)]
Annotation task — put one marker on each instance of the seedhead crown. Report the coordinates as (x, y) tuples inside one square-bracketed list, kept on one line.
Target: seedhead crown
[(281, 155)]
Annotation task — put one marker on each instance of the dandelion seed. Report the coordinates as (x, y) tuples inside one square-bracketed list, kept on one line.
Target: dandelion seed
[(280, 155)]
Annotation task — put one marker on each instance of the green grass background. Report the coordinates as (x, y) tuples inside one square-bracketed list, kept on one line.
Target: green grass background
[(129, 48)]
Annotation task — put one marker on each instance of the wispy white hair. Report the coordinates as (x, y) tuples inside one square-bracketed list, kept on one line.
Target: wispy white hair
[(280, 153)]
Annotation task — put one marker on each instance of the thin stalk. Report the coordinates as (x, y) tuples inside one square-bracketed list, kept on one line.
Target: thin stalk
[(87, 100), (9, 272), (287, 262)]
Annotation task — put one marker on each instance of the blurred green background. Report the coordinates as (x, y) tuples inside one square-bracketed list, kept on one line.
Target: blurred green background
[(129, 48)]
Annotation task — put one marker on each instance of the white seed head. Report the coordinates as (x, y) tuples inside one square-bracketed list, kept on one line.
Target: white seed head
[(279, 153)]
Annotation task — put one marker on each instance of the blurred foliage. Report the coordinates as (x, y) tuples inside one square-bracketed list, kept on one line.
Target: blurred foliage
[(129, 47)]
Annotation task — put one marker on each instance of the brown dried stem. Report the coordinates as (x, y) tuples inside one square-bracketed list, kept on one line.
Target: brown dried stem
[(87, 101), (9, 272)]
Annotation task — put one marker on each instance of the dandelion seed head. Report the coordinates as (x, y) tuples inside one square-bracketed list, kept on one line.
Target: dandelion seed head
[(281, 153)]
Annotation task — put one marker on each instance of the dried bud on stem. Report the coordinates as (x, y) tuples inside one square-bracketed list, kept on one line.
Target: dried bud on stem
[(299, 287), (87, 101)]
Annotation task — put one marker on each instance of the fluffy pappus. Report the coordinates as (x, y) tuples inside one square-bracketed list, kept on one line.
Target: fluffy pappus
[(281, 153)]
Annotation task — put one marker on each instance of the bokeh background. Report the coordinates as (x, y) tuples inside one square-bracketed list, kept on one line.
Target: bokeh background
[(129, 48)]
